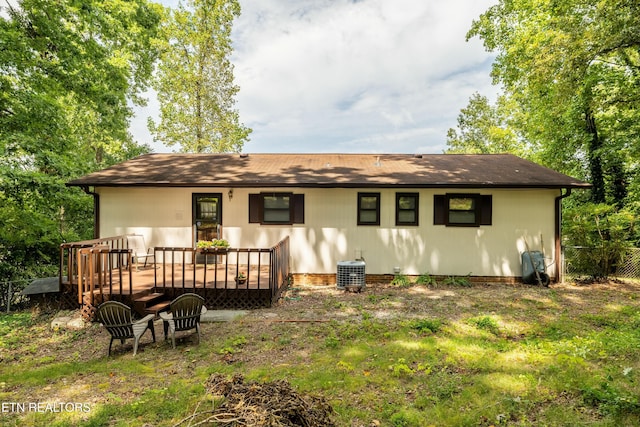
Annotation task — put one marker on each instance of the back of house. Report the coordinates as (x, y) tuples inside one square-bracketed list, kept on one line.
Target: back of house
[(445, 215)]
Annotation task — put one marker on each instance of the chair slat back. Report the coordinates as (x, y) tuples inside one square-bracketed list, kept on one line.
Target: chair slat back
[(116, 317), (186, 310)]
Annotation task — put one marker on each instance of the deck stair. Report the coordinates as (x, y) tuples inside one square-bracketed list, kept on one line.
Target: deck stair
[(152, 303)]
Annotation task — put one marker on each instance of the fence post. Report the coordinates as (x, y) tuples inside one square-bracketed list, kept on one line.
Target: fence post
[(9, 296)]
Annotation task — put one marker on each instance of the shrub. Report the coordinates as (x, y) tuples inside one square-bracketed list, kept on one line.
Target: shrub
[(604, 235), (426, 279), (458, 280), (401, 280)]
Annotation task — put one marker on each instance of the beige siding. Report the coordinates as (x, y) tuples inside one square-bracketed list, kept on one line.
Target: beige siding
[(331, 234)]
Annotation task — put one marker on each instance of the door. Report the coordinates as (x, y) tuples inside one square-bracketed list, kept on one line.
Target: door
[(207, 216)]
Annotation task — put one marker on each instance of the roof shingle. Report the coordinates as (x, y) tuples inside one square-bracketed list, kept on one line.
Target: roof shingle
[(330, 170)]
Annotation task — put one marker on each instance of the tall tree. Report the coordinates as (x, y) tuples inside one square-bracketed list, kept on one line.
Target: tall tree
[(573, 67), (484, 128), (195, 80), (69, 72)]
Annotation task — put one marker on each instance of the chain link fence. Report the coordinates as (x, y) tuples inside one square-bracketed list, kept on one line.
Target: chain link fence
[(578, 262), (10, 294)]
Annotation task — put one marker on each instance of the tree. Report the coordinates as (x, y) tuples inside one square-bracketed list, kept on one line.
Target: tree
[(573, 68), (195, 80), (69, 73), (484, 128)]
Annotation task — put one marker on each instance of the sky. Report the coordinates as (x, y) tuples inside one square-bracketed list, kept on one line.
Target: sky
[(351, 76)]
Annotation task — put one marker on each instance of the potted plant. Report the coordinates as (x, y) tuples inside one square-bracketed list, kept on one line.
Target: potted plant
[(241, 278), (215, 245)]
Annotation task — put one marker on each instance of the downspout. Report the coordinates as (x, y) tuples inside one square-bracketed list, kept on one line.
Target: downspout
[(558, 232), (96, 211)]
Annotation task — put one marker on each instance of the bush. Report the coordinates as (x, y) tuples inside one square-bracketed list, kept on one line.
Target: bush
[(427, 280), (401, 281), (605, 233)]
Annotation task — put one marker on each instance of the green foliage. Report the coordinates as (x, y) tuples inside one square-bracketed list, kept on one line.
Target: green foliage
[(570, 77), (609, 399), (407, 418), (400, 368), (604, 234), (332, 341), (464, 281), (69, 75), (424, 325), (427, 280), (484, 129), (195, 79), (215, 243), (486, 323), (401, 280), (233, 345)]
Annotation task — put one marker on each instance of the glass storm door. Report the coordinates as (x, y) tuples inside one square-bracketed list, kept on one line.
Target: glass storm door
[(207, 216)]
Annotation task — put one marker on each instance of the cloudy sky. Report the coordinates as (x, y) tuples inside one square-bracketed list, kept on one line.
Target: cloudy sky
[(382, 76)]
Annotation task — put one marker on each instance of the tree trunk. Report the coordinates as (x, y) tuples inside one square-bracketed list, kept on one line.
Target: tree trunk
[(595, 160), (618, 178)]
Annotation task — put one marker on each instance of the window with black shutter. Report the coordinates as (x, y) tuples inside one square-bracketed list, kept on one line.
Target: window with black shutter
[(276, 208), (462, 210)]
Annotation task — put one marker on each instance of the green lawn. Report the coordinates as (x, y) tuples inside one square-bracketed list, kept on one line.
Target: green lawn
[(443, 355)]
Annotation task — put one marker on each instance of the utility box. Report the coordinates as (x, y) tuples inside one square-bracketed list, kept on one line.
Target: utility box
[(351, 275), (533, 261)]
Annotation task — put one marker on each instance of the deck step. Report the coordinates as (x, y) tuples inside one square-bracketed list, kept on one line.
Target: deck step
[(152, 303), (157, 308), (149, 297)]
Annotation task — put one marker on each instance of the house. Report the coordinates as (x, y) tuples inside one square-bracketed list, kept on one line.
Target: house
[(445, 215)]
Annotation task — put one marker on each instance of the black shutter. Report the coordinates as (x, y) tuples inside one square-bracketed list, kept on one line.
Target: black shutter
[(298, 208), (439, 209), (255, 208), (486, 210)]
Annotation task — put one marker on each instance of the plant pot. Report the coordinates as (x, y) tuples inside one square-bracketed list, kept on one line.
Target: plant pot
[(240, 281)]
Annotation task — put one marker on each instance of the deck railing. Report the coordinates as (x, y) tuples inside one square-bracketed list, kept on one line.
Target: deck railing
[(266, 272), (103, 270), (279, 266), (69, 256), (104, 267)]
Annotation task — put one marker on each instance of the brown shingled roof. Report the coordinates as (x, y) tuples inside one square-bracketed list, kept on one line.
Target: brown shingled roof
[(330, 170)]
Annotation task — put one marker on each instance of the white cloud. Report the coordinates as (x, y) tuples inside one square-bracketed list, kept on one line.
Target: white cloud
[(356, 76)]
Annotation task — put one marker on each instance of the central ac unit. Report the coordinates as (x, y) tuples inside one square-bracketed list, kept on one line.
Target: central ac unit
[(350, 275)]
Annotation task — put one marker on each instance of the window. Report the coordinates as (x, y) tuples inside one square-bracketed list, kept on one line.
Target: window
[(276, 208), (406, 208), (462, 210), (368, 208)]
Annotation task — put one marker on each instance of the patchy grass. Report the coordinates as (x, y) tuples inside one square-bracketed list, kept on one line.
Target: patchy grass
[(399, 356)]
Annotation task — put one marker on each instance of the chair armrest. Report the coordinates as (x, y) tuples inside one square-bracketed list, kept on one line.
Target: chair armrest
[(145, 319)]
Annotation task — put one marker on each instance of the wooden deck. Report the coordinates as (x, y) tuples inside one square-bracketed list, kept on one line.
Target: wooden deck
[(97, 272)]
